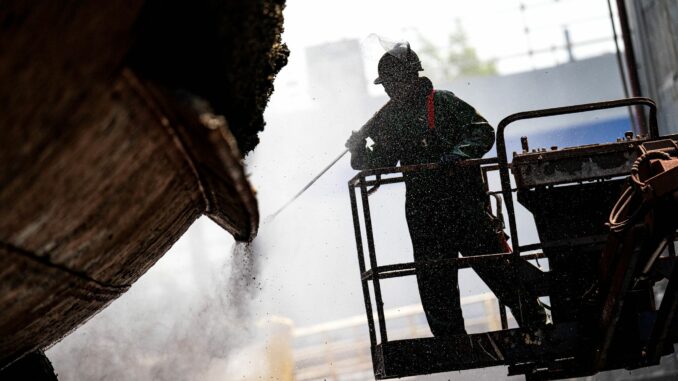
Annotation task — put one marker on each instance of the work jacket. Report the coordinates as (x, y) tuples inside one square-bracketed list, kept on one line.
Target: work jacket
[(403, 132)]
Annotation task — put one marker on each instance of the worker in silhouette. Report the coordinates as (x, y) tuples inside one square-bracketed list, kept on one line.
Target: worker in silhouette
[(446, 209)]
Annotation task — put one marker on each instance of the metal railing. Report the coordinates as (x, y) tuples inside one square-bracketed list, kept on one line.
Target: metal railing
[(367, 181), (338, 350)]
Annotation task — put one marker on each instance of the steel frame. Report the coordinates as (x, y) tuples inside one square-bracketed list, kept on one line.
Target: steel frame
[(374, 178)]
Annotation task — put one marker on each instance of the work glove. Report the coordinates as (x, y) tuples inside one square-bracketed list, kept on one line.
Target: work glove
[(450, 158), (356, 141)]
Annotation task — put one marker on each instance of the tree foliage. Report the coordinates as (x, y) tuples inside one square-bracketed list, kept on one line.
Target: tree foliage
[(457, 59)]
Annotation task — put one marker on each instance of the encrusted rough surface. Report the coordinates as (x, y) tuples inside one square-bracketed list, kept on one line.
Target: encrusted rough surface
[(227, 52), (106, 160)]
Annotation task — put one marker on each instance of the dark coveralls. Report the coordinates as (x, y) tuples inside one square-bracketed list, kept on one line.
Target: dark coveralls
[(445, 209)]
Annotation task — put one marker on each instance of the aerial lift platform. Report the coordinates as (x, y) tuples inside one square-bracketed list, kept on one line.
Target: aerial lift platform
[(606, 216)]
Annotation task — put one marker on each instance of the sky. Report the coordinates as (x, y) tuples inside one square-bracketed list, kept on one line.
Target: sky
[(495, 28), (306, 264)]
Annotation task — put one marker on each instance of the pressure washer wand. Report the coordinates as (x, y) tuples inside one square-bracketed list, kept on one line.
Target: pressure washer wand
[(272, 216)]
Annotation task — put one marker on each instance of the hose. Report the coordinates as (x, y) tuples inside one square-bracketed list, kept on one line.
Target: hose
[(631, 205)]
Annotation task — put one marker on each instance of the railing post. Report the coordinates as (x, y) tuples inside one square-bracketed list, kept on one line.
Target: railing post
[(361, 264), (373, 260), (502, 315)]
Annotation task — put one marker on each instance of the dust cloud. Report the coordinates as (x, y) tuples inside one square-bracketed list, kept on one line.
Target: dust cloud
[(169, 326)]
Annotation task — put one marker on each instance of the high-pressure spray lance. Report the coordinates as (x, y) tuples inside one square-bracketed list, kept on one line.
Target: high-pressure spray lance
[(357, 136), (330, 165), (402, 52)]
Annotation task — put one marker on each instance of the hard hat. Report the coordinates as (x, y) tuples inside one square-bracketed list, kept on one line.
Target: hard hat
[(396, 62)]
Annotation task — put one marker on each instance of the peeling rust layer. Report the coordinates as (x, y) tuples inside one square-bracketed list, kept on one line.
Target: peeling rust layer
[(106, 161)]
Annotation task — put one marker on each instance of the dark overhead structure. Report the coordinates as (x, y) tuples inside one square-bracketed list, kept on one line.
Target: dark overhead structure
[(122, 123)]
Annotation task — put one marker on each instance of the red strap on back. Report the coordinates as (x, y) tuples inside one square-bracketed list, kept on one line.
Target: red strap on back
[(504, 243), (431, 110)]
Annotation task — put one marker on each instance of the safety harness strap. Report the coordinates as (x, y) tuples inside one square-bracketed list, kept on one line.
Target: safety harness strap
[(431, 110), (504, 242)]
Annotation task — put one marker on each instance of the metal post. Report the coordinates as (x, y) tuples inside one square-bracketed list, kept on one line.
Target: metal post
[(506, 188), (568, 44), (361, 263), (632, 68), (508, 200), (620, 65), (373, 260), (502, 315)]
